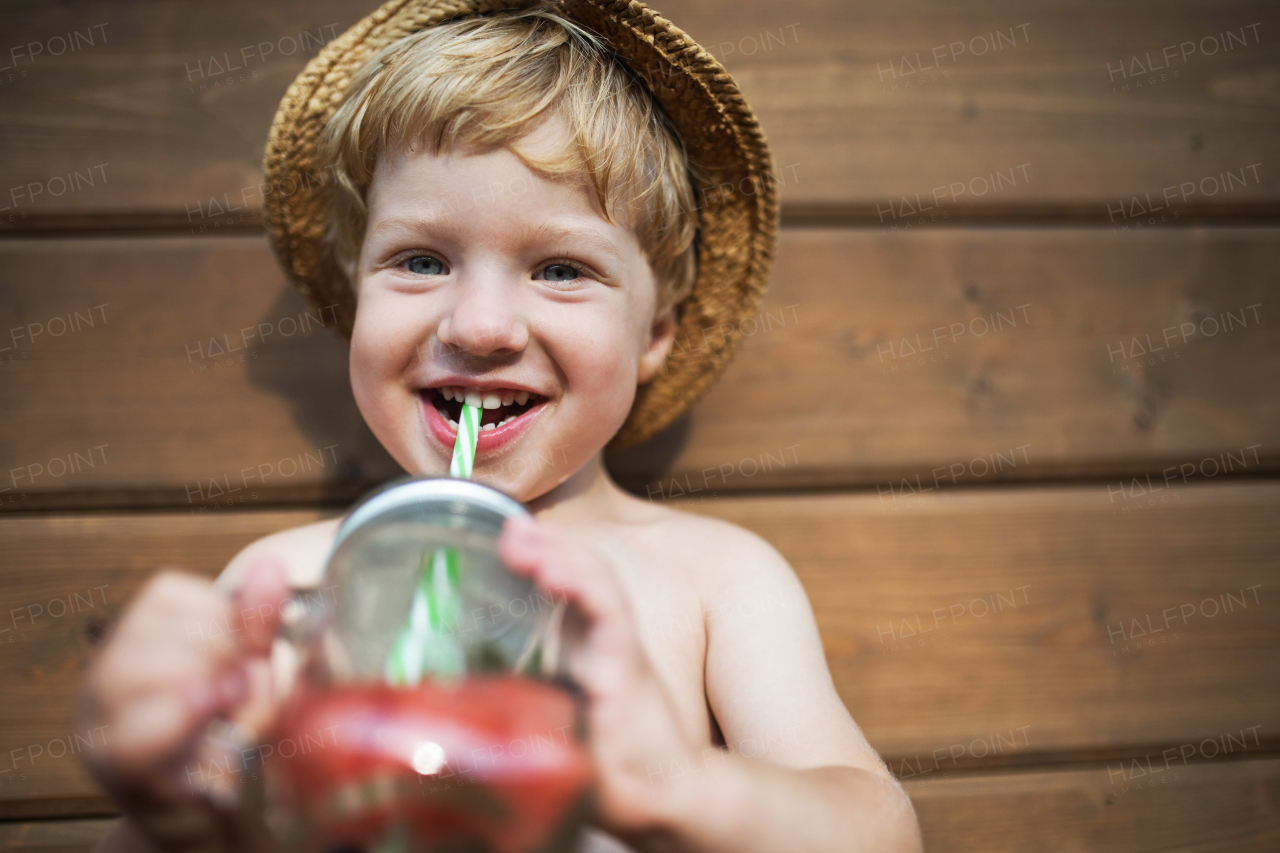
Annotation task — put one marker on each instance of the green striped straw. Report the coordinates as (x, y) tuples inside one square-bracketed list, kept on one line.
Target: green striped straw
[(464, 447), (427, 643)]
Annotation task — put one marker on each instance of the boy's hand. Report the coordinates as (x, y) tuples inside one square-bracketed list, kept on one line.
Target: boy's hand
[(182, 654), (631, 722)]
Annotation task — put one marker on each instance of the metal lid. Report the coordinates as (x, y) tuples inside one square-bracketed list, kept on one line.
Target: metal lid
[(425, 491)]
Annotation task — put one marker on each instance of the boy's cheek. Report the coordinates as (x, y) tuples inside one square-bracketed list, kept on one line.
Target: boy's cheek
[(384, 341)]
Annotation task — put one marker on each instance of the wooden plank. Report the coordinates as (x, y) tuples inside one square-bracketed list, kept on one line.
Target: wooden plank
[(878, 358), (1053, 669), (64, 581), (828, 103), (54, 836), (952, 624), (825, 391), (819, 74), (1194, 808), (172, 99), (1197, 807), (134, 375)]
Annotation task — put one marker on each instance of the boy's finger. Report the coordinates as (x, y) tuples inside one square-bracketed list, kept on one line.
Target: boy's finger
[(558, 565), (258, 602), (159, 721), (148, 732)]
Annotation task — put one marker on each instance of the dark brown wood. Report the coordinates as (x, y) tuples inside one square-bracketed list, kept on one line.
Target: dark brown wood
[(1193, 808), (952, 622), (1200, 807), (184, 370), (65, 579), (58, 805), (1222, 806), (876, 359), (54, 836), (826, 391), (1046, 94), (171, 99), (1063, 664), (857, 123)]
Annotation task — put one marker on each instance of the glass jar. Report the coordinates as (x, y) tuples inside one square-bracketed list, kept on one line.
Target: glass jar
[(428, 713)]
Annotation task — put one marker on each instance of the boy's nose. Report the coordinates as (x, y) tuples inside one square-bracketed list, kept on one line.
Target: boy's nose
[(482, 323)]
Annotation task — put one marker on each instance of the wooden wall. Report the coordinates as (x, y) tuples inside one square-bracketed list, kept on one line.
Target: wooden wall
[(1010, 409)]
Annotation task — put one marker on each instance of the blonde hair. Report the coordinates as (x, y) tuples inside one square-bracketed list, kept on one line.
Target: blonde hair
[(486, 80)]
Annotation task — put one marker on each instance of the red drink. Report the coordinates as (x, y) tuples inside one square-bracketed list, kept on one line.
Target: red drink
[(495, 763)]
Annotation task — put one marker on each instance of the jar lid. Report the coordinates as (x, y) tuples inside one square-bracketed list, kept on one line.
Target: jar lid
[(447, 495)]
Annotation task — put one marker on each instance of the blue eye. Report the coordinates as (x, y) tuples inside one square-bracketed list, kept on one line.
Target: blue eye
[(425, 265), (561, 272)]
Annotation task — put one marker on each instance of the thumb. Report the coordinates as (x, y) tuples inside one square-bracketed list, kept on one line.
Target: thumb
[(258, 602)]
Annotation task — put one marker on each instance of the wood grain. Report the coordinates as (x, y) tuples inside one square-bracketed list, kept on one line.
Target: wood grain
[(1193, 808), (200, 379), (65, 579), (1200, 807), (934, 354), (951, 620), (820, 75), (828, 102), (173, 100), (54, 836), (826, 390), (1034, 658)]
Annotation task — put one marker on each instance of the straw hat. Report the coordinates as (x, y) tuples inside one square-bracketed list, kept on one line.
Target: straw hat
[(739, 210)]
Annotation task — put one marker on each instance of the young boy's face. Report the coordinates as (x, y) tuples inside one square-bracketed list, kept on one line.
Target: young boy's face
[(481, 277)]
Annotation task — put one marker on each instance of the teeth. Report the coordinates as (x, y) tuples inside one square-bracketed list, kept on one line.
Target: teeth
[(453, 423), (486, 427), (483, 399), (508, 419)]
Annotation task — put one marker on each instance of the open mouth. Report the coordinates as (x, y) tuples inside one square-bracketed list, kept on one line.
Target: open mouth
[(499, 406)]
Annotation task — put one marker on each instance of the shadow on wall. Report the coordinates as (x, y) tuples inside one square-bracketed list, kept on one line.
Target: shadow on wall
[(649, 462), (308, 369)]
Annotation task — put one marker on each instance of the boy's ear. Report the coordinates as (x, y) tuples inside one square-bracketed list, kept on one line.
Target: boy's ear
[(661, 335)]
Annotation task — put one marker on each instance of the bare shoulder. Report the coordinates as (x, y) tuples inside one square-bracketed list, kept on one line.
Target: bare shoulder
[(722, 557), (766, 674), (302, 550)]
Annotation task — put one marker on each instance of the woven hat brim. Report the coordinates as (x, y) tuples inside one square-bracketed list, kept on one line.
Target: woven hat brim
[(739, 206)]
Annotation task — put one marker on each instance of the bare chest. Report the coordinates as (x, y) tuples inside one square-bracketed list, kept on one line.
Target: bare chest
[(669, 621)]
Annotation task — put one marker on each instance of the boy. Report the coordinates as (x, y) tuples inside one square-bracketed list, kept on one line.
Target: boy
[(513, 224)]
